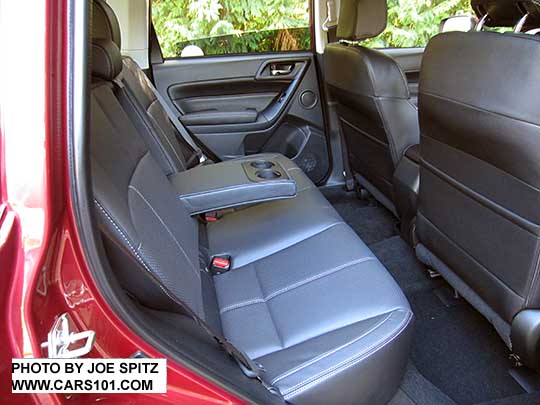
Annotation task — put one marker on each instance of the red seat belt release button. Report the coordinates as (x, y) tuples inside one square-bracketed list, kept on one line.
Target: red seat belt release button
[(220, 264), (211, 216)]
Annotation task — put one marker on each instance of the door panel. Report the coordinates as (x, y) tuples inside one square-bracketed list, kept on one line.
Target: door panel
[(410, 61), (241, 105)]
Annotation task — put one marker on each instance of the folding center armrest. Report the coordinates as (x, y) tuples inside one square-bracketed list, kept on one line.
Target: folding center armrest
[(232, 184)]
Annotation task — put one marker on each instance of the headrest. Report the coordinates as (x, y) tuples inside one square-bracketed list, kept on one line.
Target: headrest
[(105, 24), (106, 59), (506, 13), (361, 19)]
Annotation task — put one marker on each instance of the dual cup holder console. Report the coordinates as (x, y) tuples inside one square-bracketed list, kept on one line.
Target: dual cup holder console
[(264, 170)]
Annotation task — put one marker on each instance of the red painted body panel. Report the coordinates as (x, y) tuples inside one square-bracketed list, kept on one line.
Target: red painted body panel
[(42, 268)]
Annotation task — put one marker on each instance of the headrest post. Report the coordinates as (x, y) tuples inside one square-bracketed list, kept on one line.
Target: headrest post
[(480, 24), (521, 23)]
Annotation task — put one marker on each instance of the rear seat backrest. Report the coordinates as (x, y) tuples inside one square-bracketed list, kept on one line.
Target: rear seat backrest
[(139, 209), (163, 138)]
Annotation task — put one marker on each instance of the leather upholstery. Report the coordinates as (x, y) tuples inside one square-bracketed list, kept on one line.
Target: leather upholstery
[(506, 13), (341, 316), (201, 190), (378, 118), (361, 19), (106, 59), (305, 296), (104, 23), (308, 348), (480, 172)]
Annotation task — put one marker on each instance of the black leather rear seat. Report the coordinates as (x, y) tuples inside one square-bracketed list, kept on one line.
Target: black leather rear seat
[(305, 297)]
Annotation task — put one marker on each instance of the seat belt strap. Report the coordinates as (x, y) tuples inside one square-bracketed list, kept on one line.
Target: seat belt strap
[(249, 367), (176, 122)]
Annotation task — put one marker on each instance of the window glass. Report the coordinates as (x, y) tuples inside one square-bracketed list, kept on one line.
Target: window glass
[(412, 23), (218, 27)]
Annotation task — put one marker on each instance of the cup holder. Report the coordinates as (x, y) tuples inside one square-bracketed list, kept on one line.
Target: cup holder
[(262, 164), (268, 174)]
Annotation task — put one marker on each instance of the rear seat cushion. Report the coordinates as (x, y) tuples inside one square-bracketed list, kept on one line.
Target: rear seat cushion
[(250, 234), (315, 309)]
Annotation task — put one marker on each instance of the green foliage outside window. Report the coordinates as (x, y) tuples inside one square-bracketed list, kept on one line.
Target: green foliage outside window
[(231, 26), (411, 23), (246, 26)]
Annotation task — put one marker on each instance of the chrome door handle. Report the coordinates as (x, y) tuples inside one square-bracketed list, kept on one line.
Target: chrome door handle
[(280, 70)]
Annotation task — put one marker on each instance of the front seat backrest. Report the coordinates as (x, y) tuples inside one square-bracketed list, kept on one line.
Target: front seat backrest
[(377, 117), (479, 217)]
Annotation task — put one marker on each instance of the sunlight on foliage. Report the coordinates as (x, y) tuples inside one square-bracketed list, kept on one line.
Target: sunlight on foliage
[(411, 23), (244, 26), (220, 26)]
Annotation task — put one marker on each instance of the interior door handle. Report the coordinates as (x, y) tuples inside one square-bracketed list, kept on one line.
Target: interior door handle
[(280, 69)]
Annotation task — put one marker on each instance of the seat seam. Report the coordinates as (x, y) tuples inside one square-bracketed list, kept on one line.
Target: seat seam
[(163, 132), (367, 135), (143, 119), (465, 252), (268, 308), (347, 363), (295, 285), (257, 185), (295, 243), (453, 147), (477, 108), (119, 230), (139, 258), (242, 304), (318, 277), (194, 209), (533, 286), (166, 227), (328, 353), (487, 202)]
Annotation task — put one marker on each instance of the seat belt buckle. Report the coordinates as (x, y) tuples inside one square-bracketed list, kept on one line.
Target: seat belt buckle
[(211, 216), (220, 265)]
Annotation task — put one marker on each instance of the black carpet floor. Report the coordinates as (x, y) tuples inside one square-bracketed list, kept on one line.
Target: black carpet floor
[(456, 356)]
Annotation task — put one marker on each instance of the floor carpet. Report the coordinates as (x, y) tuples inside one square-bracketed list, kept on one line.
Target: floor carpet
[(456, 355)]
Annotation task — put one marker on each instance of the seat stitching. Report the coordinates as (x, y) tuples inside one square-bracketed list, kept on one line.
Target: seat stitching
[(267, 307), (295, 285), (481, 199), (317, 277), (135, 252), (317, 233), (165, 226), (469, 255), (345, 364), (478, 108), (242, 304), (329, 352), (139, 257), (261, 184)]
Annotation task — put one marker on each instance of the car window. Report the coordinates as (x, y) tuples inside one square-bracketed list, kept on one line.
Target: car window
[(219, 27), (412, 23)]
